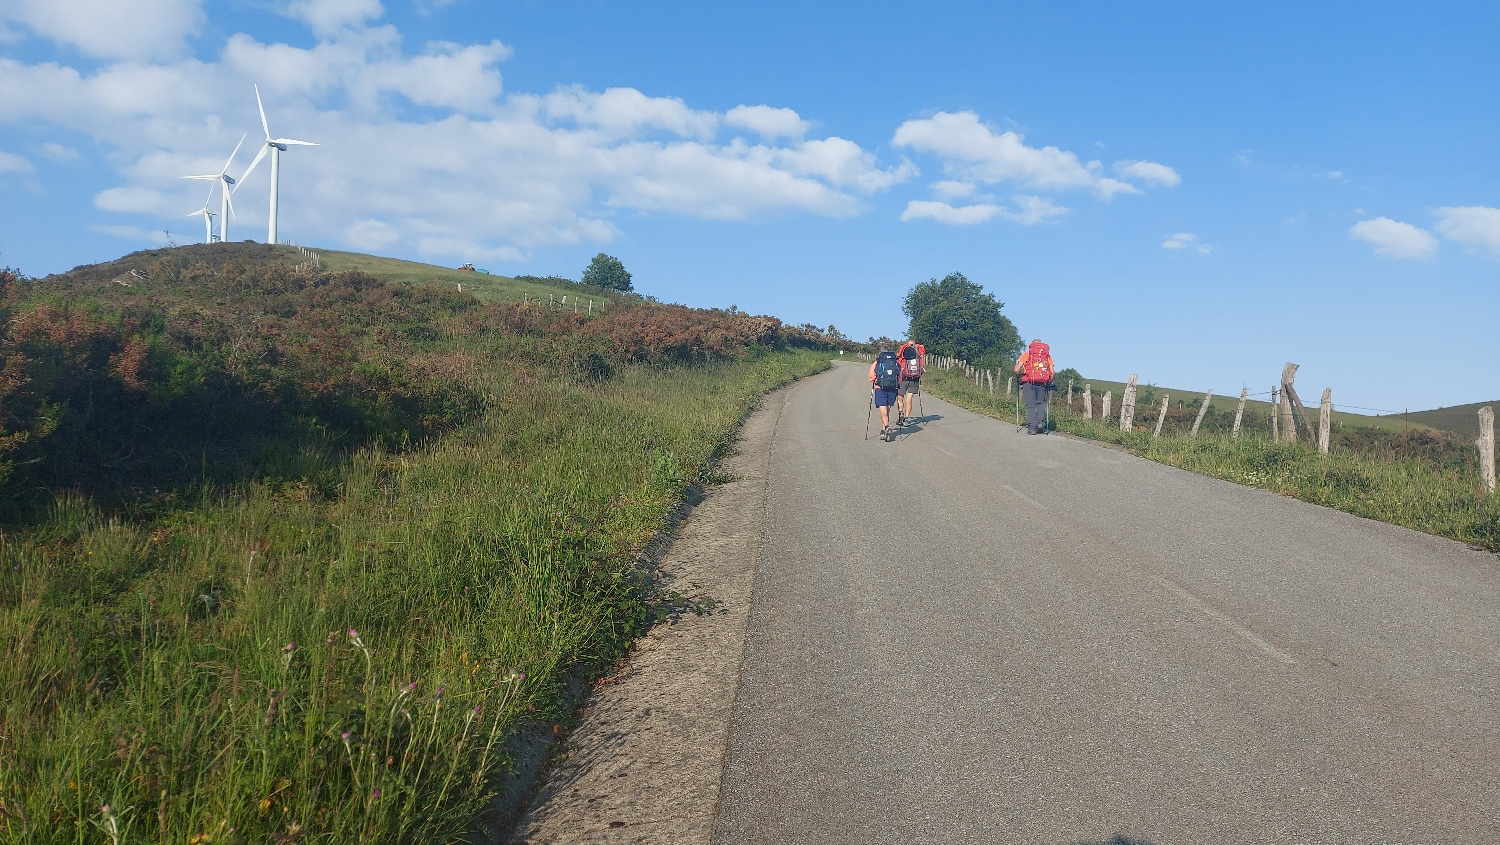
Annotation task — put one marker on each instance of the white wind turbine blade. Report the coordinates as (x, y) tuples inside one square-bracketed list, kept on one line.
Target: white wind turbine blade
[(212, 177), (262, 107), (258, 156), (229, 200), (233, 154), (290, 142)]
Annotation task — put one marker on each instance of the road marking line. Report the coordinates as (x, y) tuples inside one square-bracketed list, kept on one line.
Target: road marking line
[(944, 451), (1232, 625), (1025, 498)]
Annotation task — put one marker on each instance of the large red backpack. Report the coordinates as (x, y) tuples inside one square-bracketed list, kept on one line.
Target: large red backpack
[(1038, 364)]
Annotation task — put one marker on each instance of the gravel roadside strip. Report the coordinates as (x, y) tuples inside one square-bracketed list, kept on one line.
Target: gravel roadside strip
[(645, 762)]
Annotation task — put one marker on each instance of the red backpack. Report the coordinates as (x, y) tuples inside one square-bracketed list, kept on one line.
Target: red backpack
[(911, 360), (1038, 364)]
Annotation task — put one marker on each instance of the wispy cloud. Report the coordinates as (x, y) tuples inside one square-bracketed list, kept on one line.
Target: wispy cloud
[(1186, 240)]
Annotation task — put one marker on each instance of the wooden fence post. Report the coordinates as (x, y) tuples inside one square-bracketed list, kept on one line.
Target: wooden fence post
[(1202, 409), (1127, 405), (1104, 411), (989, 379), (1292, 411), (1275, 413), (1088, 401), (1239, 412), (1161, 417), (1010, 383), (1486, 444), (1070, 394), (1325, 419)]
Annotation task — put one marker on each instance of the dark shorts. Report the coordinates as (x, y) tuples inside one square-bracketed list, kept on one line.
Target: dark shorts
[(884, 398), (911, 385)]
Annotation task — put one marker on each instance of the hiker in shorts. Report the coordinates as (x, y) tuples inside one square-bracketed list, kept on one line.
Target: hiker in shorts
[(1035, 370), (913, 359), (885, 381)]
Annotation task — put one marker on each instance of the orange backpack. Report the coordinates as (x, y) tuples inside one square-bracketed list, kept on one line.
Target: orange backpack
[(1038, 368)]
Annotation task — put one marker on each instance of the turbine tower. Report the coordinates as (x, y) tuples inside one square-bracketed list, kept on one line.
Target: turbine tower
[(225, 182), (276, 146)]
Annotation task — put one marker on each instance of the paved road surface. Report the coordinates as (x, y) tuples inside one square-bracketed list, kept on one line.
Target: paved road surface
[(973, 635)]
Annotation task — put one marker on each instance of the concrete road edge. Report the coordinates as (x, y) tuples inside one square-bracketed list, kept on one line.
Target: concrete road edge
[(645, 763)]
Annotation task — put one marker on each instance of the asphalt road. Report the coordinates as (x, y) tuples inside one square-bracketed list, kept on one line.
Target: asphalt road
[(973, 635)]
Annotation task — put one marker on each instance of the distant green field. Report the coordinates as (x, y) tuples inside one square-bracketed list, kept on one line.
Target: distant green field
[(489, 286), (1463, 419)]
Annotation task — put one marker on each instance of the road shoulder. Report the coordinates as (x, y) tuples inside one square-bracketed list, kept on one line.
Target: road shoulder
[(645, 762)]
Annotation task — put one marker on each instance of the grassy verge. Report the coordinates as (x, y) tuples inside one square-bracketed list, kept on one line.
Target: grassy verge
[(1404, 481), (341, 660)]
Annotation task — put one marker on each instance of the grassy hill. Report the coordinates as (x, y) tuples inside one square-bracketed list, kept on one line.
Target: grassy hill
[(484, 286), (1462, 419), (288, 556)]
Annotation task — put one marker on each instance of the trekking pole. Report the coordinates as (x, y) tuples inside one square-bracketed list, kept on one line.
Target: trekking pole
[(869, 411)]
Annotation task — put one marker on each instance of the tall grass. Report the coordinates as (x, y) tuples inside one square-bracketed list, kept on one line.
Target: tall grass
[(343, 662), (1421, 481)]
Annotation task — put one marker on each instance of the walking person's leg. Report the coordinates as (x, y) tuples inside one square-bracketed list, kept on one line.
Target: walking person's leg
[(1036, 410)]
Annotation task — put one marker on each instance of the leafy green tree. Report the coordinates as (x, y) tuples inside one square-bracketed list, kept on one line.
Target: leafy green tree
[(606, 271), (955, 317)]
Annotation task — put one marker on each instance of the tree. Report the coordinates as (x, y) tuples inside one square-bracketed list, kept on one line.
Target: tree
[(606, 271), (955, 317)]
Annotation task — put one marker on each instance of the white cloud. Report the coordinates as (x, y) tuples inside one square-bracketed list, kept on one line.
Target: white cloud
[(372, 235), (1029, 211), (478, 172), (976, 153), (942, 212), (59, 153), (1186, 240), (1335, 174), (12, 163), (626, 112), (112, 29), (951, 190), (1471, 225), (1032, 210), (327, 17), (770, 123), (1393, 239), (1148, 171)]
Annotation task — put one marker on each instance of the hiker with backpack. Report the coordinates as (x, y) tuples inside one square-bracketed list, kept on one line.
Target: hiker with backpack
[(912, 357), (1035, 368), (885, 382)]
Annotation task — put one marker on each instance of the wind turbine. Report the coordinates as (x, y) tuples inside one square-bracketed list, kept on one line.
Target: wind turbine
[(276, 146), (208, 222), (225, 182)]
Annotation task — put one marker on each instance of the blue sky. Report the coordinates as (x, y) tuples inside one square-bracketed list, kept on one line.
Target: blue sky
[(1192, 193)]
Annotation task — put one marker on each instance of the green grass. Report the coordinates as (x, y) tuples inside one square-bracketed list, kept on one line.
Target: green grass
[(1429, 484), (484, 286), (344, 662)]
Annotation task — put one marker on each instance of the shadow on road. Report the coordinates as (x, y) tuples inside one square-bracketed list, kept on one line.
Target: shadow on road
[(1117, 839)]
